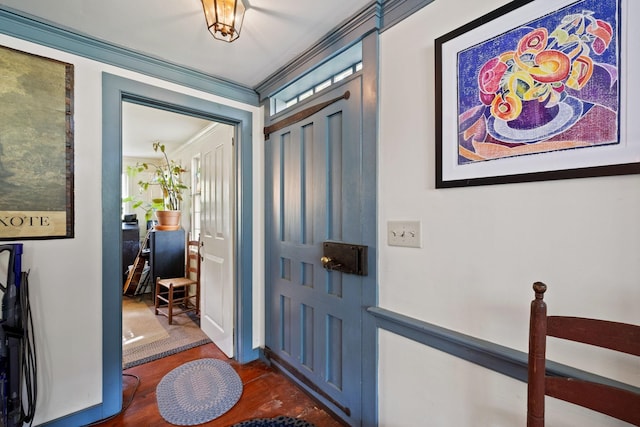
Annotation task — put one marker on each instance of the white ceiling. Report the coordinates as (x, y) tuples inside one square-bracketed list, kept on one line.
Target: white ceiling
[(142, 126), (273, 33)]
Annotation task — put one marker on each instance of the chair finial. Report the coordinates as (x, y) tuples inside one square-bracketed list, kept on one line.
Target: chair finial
[(539, 288)]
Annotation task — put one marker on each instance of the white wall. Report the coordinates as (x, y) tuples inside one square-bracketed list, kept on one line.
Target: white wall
[(437, 390), (483, 247), (66, 275)]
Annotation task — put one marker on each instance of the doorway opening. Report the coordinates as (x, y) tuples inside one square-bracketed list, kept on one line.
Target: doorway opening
[(116, 90), (148, 251)]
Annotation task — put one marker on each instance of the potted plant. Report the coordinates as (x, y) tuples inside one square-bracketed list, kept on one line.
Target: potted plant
[(168, 175), (148, 207)]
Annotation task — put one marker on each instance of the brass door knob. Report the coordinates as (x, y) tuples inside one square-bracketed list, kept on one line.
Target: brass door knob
[(325, 260)]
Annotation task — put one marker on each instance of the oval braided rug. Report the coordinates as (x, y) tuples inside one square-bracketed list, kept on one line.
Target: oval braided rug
[(198, 391)]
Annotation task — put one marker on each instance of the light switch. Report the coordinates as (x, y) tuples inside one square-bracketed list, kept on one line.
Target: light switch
[(404, 233)]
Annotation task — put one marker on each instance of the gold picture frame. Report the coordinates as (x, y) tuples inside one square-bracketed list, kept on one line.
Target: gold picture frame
[(36, 147)]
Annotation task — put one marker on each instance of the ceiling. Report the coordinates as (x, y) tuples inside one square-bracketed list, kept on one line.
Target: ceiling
[(273, 33), (141, 126)]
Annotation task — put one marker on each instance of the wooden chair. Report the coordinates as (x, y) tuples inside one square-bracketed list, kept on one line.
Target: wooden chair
[(180, 295), (619, 403)]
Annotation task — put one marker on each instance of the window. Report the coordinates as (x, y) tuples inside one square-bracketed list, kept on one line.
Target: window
[(322, 86), (125, 194), (338, 68), (306, 94), (291, 102), (195, 197), (343, 75)]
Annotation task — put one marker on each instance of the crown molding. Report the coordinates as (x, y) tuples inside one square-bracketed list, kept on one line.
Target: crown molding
[(32, 29), (379, 15), (343, 36), (397, 10)]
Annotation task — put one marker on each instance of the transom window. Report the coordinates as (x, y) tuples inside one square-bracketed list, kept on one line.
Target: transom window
[(338, 68)]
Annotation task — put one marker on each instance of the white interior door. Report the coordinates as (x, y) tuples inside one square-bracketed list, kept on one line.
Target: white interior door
[(217, 238)]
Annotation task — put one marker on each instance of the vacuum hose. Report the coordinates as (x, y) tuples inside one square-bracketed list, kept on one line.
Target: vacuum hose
[(17, 345)]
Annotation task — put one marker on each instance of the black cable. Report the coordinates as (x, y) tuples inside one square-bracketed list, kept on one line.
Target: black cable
[(124, 406), (29, 364)]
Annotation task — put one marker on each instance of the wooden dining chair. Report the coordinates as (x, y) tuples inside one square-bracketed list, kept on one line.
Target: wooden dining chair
[(181, 295), (620, 403)]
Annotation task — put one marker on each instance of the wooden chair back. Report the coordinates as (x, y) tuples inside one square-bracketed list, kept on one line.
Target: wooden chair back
[(619, 403), (192, 267), (174, 296)]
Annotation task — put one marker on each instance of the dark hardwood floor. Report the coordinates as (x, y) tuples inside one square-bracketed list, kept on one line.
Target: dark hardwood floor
[(266, 394)]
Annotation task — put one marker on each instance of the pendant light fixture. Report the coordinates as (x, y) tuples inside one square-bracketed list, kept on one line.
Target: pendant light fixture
[(224, 18)]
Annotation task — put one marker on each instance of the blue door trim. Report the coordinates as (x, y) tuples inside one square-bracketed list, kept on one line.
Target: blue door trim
[(370, 47), (116, 89)]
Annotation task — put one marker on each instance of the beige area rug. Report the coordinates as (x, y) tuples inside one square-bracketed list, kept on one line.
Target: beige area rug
[(147, 337)]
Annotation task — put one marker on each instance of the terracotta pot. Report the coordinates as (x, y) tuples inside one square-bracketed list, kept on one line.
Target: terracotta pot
[(168, 220)]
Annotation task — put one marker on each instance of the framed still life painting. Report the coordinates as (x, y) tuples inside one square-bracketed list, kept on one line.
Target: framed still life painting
[(538, 90), (36, 147)]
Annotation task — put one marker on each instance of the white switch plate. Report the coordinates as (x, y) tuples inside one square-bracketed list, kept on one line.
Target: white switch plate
[(404, 233)]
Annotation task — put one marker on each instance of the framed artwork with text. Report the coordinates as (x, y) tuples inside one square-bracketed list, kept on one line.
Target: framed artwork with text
[(36, 147)]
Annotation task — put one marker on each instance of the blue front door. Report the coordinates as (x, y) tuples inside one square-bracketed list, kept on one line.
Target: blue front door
[(314, 194)]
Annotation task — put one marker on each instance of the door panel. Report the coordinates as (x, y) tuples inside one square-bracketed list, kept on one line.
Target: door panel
[(217, 300), (313, 195)]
